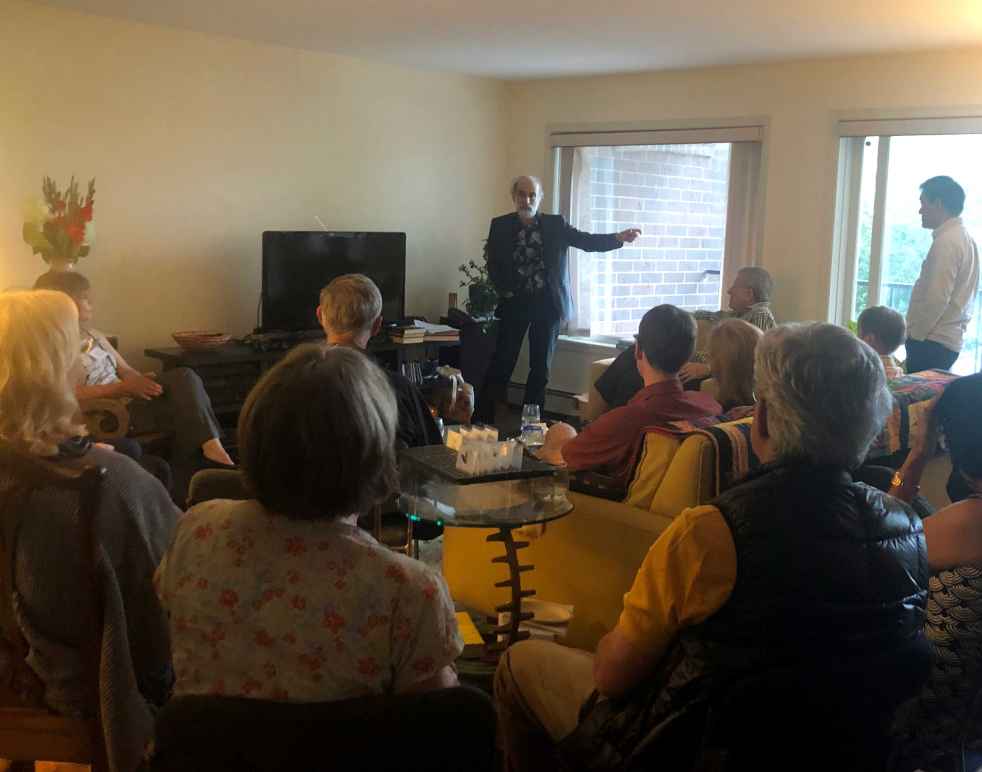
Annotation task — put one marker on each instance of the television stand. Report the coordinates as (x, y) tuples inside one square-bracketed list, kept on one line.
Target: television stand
[(229, 372)]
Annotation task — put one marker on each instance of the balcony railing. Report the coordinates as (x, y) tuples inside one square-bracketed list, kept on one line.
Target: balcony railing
[(896, 295)]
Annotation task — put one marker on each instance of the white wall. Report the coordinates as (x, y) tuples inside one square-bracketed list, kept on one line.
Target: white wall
[(199, 143)]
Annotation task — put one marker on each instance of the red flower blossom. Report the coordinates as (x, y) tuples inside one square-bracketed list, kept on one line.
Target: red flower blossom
[(262, 638), (229, 598), (298, 602), (76, 232), (202, 584)]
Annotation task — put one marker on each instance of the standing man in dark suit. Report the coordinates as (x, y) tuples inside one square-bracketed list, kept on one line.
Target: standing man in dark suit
[(528, 263)]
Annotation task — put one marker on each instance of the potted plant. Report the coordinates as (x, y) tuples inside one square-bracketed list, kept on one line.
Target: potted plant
[(482, 298), (60, 227)]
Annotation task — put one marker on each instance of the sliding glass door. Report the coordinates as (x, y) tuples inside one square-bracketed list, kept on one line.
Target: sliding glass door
[(882, 243)]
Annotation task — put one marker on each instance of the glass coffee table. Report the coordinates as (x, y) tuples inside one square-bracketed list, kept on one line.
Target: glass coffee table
[(433, 490)]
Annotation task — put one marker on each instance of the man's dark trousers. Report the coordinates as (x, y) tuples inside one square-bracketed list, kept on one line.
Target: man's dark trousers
[(515, 318), (928, 355)]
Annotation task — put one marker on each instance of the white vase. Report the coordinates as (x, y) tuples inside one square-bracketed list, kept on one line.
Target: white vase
[(56, 264)]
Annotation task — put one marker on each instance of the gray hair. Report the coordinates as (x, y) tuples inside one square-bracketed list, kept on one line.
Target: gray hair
[(350, 304), (535, 181), (825, 393), (759, 281)]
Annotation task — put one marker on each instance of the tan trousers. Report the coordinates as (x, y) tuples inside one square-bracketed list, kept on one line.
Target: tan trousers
[(539, 688)]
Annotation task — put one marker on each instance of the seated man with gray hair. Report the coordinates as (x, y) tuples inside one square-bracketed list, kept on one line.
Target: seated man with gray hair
[(797, 575), (750, 300), (350, 313)]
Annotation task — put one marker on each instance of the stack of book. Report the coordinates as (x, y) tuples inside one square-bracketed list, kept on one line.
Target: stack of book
[(438, 332), (409, 334)]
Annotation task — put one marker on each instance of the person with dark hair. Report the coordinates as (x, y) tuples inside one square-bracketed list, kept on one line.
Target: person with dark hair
[(941, 300), (527, 258), (174, 401), (883, 330), (928, 730), (283, 597), (666, 338)]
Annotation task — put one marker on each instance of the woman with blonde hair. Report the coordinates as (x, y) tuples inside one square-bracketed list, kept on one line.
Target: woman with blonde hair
[(732, 344), (39, 357)]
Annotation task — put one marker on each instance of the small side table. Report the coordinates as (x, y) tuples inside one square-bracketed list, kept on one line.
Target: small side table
[(434, 490)]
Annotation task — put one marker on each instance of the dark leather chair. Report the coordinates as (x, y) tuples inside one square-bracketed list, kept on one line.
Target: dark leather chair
[(440, 731), (28, 730)]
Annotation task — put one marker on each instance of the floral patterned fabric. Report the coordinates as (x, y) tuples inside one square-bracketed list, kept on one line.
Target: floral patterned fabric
[(271, 608), (530, 265)]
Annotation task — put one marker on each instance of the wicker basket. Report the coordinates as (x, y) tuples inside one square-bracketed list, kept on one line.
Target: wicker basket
[(200, 340)]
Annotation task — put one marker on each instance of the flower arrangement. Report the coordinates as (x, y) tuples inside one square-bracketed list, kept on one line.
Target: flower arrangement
[(60, 227)]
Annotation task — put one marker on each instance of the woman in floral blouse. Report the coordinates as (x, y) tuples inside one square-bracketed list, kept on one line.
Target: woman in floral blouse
[(283, 597)]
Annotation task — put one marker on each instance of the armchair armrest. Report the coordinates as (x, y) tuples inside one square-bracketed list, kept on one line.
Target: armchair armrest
[(106, 419)]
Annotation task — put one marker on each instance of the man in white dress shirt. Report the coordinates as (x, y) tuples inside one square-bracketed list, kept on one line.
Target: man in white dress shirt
[(940, 303)]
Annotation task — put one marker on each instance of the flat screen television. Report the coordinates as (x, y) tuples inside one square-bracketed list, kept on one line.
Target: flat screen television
[(298, 264)]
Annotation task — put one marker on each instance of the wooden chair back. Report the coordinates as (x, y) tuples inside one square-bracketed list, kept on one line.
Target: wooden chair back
[(28, 730)]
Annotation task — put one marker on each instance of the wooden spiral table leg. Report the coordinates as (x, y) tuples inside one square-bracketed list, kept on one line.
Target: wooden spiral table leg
[(514, 581)]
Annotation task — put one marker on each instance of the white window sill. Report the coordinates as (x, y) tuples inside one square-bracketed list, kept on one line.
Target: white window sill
[(578, 343)]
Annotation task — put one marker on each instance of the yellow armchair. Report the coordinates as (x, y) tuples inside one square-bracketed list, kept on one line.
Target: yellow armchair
[(589, 558)]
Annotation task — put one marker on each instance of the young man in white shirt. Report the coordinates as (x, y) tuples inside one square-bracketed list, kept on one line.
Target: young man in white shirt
[(941, 298)]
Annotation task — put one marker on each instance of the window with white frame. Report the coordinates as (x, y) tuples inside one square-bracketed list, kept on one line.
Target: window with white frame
[(694, 194), (879, 241)]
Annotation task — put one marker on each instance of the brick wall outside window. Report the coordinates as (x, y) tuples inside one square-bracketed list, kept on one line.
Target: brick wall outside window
[(677, 195)]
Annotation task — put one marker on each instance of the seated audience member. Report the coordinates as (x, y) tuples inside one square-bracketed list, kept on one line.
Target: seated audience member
[(283, 596), (883, 329), (796, 569), (608, 445), (928, 730), (732, 345), (750, 300), (175, 401), (350, 312), (39, 350)]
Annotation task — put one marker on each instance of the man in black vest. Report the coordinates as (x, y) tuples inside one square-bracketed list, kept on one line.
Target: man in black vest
[(528, 263), (798, 577)]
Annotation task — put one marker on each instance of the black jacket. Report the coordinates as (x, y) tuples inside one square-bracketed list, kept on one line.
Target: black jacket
[(557, 237), (830, 593)]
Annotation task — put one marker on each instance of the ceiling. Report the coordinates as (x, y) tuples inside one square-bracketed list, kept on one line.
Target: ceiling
[(539, 38)]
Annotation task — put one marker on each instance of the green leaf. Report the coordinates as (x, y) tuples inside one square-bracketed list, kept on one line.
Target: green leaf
[(35, 238)]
